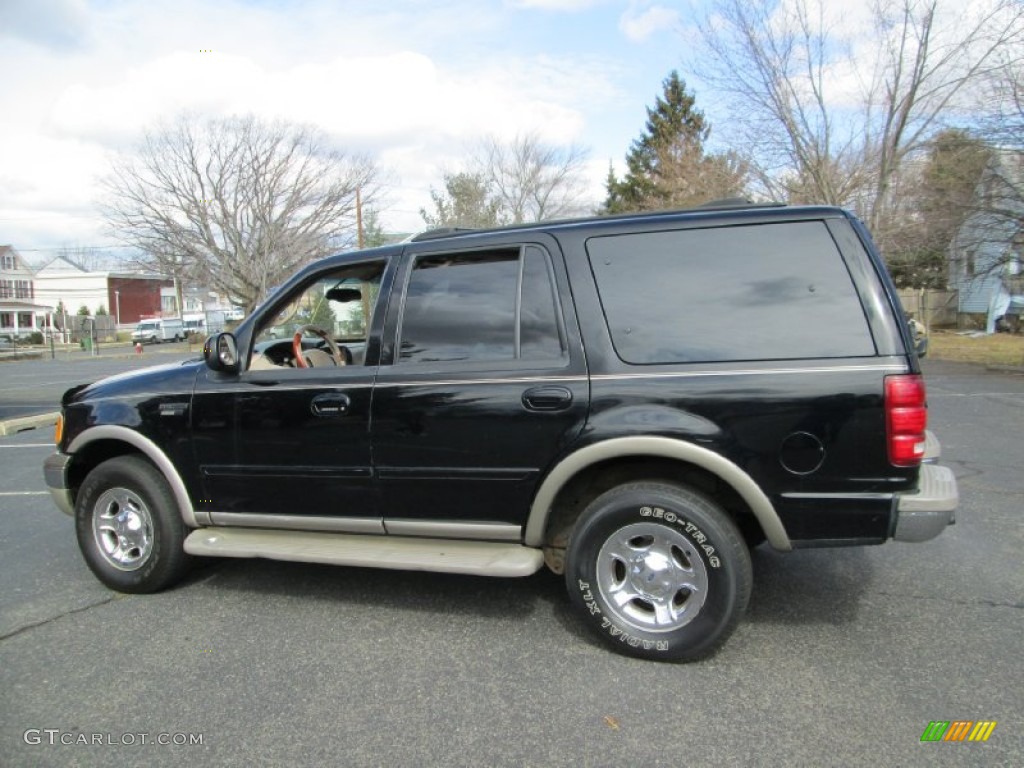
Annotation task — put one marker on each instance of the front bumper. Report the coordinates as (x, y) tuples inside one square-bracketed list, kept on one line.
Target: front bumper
[(55, 473), (924, 514)]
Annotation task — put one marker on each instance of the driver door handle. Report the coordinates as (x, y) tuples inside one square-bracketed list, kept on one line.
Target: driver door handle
[(333, 404)]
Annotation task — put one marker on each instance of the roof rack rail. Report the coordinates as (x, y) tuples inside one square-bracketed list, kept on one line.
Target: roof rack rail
[(431, 234), (737, 202)]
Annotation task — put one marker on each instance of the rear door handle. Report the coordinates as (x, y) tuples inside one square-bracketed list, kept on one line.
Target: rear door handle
[(333, 404), (547, 398)]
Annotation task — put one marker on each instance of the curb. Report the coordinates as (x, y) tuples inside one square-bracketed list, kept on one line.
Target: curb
[(14, 357), (13, 426)]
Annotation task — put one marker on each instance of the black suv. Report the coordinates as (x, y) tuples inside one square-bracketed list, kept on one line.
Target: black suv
[(633, 401)]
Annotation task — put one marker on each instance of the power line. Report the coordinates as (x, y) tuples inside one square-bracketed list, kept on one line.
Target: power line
[(73, 248)]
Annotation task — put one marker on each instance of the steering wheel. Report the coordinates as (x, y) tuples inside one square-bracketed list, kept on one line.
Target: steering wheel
[(300, 359)]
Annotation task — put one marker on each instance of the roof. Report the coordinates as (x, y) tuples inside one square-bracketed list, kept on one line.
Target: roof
[(8, 250), (62, 264), (730, 205), (19, 305)]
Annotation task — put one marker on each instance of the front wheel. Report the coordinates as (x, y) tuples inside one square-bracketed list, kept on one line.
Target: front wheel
[(658, 571), (129, 528)]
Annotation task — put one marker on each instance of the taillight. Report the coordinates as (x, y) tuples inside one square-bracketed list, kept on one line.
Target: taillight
[(906, 416)]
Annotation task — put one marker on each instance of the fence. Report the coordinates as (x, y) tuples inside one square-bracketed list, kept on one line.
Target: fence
[(81, 327), (934, 308)]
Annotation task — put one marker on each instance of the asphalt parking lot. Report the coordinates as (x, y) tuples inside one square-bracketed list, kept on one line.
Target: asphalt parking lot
[(844, 657), (32, 382)]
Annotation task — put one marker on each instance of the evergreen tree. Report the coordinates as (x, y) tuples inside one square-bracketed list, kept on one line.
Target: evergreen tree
[(465, 202), (939, 196), (667, 165), (373, 231)]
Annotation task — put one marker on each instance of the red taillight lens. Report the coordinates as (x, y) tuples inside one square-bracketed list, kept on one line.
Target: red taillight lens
[(906, 417)]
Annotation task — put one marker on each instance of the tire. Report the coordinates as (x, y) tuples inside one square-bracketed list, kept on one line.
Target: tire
[(658, 571), (129, 528)]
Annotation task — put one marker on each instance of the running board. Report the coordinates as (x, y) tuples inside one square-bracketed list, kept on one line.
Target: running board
[(482, 558)]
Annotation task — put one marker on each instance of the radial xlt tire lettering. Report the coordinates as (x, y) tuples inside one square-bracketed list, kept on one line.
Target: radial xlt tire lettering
[(128, 526), (658, 571)]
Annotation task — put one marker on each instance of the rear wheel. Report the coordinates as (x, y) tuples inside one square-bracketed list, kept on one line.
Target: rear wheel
[(658, 571), (129, 529)]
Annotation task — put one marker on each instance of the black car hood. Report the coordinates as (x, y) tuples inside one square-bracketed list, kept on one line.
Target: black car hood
[(174, 378)]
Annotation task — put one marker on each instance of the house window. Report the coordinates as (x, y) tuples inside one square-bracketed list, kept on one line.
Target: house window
[(969, 266), (22, 289), (10, 263), (6, 289), (24, 320), (6, 319)]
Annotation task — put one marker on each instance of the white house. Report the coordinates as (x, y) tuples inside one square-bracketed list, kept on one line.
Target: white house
[(20, 311), (203, 310), (126, 297), (987, 250)]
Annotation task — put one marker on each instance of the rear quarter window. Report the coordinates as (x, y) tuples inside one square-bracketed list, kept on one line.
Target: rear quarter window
[(755, 292)]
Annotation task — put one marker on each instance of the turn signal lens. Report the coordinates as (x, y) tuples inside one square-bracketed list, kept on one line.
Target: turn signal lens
[(906, 418), (58, 430)]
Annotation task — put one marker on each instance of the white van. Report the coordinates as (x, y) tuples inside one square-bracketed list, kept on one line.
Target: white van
[(195, 325), (162, 329)]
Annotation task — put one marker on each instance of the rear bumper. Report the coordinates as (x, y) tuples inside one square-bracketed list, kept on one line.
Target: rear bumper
[(924, 514), (55, 474)]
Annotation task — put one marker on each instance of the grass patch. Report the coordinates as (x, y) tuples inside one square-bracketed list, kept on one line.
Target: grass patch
[(998, 349)]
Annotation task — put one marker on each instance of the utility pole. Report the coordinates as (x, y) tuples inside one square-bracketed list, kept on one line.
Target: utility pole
[(359, 217)]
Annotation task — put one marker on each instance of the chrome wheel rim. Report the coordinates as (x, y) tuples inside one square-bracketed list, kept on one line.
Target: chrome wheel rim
[(123, 529), (652, 577)]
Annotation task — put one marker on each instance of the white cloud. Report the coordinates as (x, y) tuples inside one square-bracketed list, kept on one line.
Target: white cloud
[(49, 186), (412, 85), (639, 22), (413, 115), (555, 5)]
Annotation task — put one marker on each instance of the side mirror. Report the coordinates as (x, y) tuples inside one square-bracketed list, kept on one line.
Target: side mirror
[(221, 353)]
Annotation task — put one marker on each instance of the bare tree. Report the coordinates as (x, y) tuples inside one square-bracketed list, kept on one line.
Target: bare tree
[(772, 61), (927, 65), (930, 199), (89, 259), (1002, 103), (531, 180), (782, 65), (237, 202), (686, 178)]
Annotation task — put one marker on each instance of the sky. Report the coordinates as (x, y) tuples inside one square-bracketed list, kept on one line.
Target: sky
[(411, 84)]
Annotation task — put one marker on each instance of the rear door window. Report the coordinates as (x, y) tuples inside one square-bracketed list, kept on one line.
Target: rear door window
[(491, 305)]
